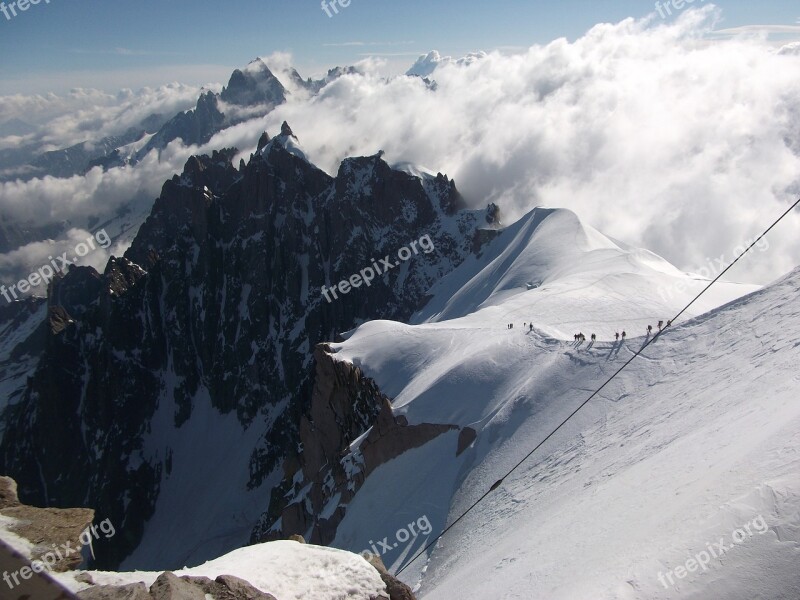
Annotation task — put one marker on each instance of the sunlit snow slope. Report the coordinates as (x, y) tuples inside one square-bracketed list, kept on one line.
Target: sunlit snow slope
[(285, 569), (698, 437)]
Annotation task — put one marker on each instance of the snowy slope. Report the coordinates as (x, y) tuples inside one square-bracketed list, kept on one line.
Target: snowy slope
[(700, 436), (428, 63), (579, 280), (16, 365), (185, 509), (287, 570)]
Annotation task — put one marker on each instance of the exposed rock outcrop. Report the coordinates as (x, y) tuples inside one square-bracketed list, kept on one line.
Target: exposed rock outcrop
[(169, 586), (465, 439), (46, 528), (397, 589), (132, 591), (344, 404)]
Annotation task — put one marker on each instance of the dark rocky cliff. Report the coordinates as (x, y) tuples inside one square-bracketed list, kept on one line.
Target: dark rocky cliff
[(215, 310)]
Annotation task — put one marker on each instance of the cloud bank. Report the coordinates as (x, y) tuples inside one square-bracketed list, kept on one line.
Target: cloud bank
[(647, 130)]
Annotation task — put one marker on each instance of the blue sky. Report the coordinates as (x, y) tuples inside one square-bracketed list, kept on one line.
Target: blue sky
[(122, 43)]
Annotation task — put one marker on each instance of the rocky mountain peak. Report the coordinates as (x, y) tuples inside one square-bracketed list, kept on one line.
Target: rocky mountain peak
[(287, 131), (212, 316), (254, 85)]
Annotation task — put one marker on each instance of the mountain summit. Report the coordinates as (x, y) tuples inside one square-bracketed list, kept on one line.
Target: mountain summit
[(254, 85)]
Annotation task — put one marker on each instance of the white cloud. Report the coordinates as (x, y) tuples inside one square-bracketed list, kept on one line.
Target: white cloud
[(90, 114), (52, 200), (759, 29), (648, 130)]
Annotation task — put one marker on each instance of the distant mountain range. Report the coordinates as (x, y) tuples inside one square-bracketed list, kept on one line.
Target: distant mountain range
[(252, 91)]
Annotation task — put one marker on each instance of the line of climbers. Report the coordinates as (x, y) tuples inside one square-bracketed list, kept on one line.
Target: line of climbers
[(579, 337)]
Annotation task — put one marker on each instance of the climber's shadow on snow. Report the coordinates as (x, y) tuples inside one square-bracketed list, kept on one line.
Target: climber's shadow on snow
[(615, 348)]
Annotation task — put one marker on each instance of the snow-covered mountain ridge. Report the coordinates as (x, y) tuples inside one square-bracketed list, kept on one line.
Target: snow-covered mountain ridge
[(695, 440)]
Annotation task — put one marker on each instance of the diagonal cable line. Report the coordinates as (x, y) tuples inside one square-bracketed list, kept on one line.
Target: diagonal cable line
[(499, 482)]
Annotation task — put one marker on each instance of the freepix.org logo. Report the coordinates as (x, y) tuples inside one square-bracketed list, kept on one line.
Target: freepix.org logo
[(51, 558), (421, 526), (60, 264), (10, 10)]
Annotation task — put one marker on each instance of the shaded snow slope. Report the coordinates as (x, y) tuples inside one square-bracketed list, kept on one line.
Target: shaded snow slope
[(699, 437)]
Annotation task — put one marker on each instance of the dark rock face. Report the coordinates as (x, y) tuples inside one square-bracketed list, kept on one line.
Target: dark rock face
[(465, 439), (192, 126), (255, 85), (344, 404), (215, 310)]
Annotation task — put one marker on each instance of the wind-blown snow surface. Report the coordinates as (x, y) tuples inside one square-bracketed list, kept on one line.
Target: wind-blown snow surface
[(287, 570), (698, 437)]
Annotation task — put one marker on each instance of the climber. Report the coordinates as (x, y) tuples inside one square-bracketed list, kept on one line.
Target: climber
[(649, 329), (616, 335)]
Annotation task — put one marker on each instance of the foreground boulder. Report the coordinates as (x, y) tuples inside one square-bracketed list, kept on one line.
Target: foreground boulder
[(46, 528), (396, 588), (169, 586)]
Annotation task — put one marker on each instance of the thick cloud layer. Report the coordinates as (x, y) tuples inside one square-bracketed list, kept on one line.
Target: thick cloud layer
[(649, 131), (85, 114)]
